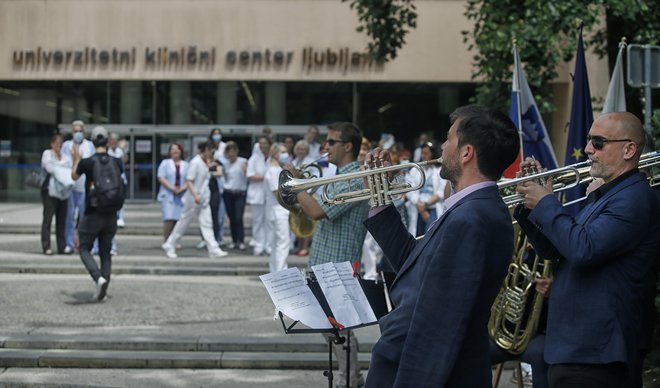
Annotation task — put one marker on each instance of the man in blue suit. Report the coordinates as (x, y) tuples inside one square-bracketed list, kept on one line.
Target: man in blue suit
[(436, 336), (602, 258)]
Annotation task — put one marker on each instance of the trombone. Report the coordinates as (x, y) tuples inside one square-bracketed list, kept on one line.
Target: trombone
[(379, 191), (568, 177)]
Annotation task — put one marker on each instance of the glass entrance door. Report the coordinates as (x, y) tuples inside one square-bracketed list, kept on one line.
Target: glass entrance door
[(142, 167)]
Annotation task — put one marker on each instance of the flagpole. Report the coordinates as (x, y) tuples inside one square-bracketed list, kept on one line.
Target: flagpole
[(516, 86)]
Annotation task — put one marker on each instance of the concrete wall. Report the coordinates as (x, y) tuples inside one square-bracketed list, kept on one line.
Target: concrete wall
[(63, 33)]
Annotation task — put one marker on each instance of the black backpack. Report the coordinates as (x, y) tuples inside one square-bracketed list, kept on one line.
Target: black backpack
[(108, 190)]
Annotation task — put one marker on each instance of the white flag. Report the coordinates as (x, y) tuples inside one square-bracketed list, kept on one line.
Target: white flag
[(615, 101)]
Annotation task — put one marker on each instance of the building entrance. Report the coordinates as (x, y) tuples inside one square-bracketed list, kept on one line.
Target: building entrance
[(145, 146)]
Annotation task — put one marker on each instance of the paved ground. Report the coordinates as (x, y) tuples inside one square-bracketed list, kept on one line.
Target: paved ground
[(155, 305)]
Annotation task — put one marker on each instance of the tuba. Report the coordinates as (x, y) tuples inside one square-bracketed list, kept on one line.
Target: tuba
[(517, 308), (300, 224)]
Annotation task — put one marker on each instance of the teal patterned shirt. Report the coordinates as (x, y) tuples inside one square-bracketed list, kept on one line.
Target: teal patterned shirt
[(339, 236)]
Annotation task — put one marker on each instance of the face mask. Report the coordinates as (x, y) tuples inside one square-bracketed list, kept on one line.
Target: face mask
[(78, 137), (284, 158), (216, 138)]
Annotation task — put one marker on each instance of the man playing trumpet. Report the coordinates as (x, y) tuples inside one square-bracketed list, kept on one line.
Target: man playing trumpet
[(446, 282), (339, 231), (603, 258)]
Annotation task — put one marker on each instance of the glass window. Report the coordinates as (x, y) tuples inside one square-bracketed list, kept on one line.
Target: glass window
[(318, 102)]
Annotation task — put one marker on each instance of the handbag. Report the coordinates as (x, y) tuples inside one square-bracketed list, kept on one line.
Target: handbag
[(36, 178)]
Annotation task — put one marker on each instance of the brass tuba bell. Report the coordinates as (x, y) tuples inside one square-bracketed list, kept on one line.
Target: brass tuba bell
[(299, 222)]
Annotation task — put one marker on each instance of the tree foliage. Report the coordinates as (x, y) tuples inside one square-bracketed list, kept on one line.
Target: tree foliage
[(387, 22), (546, 33)]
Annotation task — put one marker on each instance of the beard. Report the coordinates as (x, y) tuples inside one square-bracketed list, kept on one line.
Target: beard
[(449, 171)]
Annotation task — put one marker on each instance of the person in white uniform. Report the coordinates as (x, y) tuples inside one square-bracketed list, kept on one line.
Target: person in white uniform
[(196, 203), (277, 215), (256, 196)]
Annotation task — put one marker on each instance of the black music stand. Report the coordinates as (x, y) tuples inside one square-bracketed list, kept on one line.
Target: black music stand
[(337, 339)]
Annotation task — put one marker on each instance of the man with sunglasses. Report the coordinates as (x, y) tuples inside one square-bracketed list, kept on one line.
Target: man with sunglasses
[(339, 231), (603, 259)]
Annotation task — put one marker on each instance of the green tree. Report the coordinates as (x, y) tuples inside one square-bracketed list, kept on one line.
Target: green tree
[(545, 31), (387, 22)]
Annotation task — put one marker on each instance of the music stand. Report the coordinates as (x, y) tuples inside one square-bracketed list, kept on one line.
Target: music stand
[(337, 339)]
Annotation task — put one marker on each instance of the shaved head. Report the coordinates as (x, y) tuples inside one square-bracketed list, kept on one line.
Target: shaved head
[(626, 125)]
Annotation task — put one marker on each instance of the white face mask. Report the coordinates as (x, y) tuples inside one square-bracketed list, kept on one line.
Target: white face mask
[(284, 158), (216, 138), (78, 137)]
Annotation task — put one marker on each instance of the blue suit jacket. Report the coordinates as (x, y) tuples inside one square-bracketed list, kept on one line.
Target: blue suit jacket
[(445, 286), (604, 255)]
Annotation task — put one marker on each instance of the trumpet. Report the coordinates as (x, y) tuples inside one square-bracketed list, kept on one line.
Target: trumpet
[(568, 177), (379, 192)]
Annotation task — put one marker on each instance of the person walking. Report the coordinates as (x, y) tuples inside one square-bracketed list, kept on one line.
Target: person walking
[(196, 203), (55, 201), (104, 195)]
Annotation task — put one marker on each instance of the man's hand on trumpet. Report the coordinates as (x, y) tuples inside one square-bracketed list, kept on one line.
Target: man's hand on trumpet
[(377, 158), (531, 191)]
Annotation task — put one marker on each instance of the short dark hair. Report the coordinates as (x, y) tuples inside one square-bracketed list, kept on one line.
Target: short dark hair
[(350, 133), (432, 148), (100, 142), (492, 134), (205, 145)]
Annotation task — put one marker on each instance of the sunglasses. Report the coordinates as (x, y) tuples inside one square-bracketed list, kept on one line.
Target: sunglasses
[(332, 142), (599, 142)]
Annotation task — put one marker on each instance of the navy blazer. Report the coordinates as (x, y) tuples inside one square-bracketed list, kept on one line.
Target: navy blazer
[(603, 257), (444, 288)]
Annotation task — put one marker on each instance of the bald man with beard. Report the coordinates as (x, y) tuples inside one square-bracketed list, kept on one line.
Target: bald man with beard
[(603, 259)]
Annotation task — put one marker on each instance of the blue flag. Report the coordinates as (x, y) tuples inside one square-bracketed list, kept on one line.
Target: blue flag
[(526, 116), (581, 119)]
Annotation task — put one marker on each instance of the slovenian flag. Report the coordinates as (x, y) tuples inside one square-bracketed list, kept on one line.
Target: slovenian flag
[(526, 116)]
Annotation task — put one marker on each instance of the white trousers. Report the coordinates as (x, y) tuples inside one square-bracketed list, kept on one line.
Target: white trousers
[(280, 244), (371, 256), (203, 214), (260, 229)]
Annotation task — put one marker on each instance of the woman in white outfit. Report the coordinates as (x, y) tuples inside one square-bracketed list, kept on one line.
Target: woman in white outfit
[(234, 194), (256, 196), (277, 216), (172, 178), (54, 204), (196, 203)]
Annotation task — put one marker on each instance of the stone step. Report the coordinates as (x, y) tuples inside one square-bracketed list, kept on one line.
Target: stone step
[(299, 343), (77, 269), (65, 358)]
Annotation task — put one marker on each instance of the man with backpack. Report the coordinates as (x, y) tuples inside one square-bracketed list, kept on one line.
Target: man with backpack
[(104, 195)]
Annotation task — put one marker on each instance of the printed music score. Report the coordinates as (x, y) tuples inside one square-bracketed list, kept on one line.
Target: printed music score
[(292, 295)]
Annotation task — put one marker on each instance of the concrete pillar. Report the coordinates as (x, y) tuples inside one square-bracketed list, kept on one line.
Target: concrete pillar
[(275, 103), (226, 102), (179, 102), (130, 111)]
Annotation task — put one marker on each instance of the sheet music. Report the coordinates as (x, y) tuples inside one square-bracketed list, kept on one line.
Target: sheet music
[(344, 294), (355, 292), (289, 291)]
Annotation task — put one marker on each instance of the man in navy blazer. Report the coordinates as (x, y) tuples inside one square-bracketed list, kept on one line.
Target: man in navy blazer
[(602, 258), (446, 282)]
